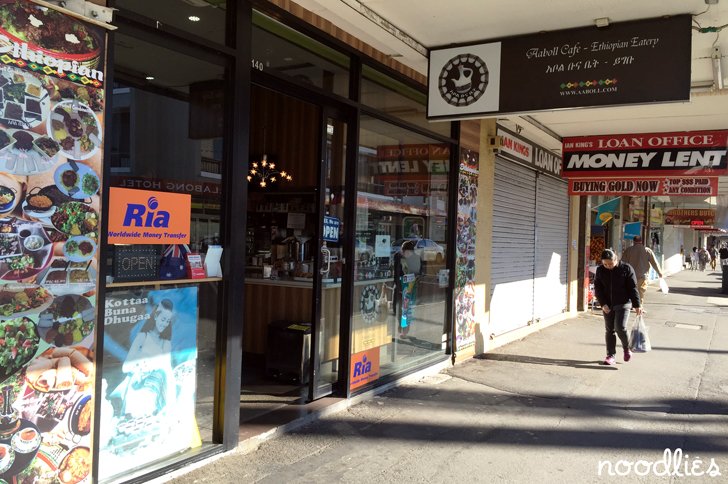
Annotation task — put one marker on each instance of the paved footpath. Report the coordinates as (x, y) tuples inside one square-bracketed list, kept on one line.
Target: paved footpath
[(539, 410)]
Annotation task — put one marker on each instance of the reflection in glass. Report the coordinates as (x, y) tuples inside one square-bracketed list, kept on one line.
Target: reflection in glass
[(400, 247), (166, 136), (283, 50), (395, 98), (203, 18)]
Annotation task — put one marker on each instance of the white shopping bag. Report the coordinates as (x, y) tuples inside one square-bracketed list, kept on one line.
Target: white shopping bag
[(663, 285), (639, 340)]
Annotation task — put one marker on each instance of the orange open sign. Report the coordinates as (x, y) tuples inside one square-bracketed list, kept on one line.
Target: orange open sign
[(147, 217)]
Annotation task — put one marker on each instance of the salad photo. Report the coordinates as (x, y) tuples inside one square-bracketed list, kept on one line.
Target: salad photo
[(18, 344)]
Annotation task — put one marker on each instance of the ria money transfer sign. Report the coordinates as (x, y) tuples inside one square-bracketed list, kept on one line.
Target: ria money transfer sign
[(687, 153)]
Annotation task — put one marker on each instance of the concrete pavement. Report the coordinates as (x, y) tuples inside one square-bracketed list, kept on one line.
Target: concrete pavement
[(538, 410)]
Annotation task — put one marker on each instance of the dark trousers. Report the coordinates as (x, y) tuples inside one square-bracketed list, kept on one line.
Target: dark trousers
[(616, 322)]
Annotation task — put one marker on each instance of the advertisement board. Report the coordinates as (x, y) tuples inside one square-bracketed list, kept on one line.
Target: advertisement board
[(636, 62), (147, 217), (677, 186), (690, 216), (465, 249), (51, 162), (149, 377), (686, 153)]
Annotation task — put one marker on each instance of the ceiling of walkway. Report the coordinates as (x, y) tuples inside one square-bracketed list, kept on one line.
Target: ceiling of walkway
[(434, 23)]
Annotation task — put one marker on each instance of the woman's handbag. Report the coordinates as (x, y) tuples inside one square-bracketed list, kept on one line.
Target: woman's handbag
[(639, 340)]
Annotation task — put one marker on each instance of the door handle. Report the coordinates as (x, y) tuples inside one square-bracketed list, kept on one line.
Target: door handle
[(327, 258)]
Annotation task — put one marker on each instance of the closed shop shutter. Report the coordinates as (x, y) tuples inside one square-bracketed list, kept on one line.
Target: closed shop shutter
[(552, 245), (513, 253)]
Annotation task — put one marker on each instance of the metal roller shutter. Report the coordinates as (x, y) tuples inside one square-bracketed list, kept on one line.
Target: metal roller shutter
[(552, 245), (513, 253)]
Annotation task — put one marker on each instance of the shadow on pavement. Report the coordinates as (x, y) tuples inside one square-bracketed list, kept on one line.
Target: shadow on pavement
[(695, 291), (535, 360)]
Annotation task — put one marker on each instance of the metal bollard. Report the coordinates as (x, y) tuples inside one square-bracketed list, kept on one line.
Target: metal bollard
[(724, 266)]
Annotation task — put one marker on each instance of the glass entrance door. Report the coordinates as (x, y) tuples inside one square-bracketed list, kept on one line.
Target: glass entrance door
[(331, 242)]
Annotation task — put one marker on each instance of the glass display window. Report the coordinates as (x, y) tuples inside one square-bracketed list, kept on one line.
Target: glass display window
[(400, 277)]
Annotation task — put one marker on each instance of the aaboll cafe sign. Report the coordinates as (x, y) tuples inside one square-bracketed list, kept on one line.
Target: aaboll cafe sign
[(637, 62)]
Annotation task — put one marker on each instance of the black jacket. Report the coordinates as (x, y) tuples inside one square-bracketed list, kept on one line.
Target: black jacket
[(616, 286)]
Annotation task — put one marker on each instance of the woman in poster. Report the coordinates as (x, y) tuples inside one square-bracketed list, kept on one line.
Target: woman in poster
[(149, 384)]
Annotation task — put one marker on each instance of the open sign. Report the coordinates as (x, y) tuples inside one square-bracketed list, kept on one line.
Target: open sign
[(331, 229)]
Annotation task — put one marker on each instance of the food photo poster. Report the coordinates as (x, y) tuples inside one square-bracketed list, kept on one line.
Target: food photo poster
[(51, 157), (149, 378)]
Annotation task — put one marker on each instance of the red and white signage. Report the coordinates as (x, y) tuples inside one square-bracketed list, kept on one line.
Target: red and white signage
[(677, 186), (693, 153)]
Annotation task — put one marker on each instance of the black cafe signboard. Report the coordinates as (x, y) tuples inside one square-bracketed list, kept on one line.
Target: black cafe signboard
[(635, 62)]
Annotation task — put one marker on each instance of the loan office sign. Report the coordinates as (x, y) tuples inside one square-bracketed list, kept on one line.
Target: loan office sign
[(693, 153)]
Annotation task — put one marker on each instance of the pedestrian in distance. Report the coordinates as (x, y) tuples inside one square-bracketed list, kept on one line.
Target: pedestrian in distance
[(615, 287), (641, 258), (713, 256), (723, 252), (703, 258), (694, 259)]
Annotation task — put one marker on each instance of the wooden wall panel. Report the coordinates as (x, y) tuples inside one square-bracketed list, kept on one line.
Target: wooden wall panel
[(470, 135), (287, 130), (271, 303)]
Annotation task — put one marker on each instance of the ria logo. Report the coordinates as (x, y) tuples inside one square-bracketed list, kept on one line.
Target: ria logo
[(137, 215), (362, 367)]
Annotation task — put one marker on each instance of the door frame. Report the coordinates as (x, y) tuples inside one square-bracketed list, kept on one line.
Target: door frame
[(340, 388)]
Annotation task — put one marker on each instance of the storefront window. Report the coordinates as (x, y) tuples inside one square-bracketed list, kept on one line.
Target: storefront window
[(161, 308), (203, 18), (281, 49), (395, 98), (401, 279)]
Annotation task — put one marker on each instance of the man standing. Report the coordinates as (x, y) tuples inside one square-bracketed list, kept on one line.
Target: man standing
[(641, 258), (615, 287)]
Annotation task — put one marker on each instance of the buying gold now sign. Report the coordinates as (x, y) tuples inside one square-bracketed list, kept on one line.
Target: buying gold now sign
[(148, 217)]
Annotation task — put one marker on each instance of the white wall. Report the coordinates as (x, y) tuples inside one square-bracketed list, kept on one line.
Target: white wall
[(674, 237)]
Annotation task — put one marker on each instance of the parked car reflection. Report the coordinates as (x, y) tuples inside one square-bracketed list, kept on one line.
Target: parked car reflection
[(427, 249)]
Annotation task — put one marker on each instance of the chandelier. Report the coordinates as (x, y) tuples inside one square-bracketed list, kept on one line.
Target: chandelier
[(264, 173)]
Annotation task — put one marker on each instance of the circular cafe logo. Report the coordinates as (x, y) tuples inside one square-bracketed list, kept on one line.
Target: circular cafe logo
[(368, 303), (463, 80)]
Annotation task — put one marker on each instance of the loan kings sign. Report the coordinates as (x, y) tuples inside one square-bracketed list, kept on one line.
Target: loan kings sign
[(519, 149), (694, 153), (637, 62)]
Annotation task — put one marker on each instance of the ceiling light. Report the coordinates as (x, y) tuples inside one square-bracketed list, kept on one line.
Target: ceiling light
[(149, 78), (193, 18), (601, 22)]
